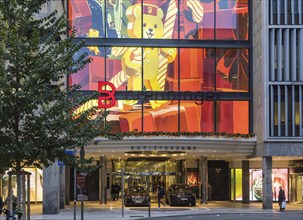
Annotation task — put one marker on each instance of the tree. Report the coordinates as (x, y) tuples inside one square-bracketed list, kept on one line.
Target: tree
[(37, 109)]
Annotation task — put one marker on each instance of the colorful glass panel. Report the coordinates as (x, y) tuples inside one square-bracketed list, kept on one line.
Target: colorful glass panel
[(232, 117), (159, 19), (232, 70), (232, 20), (93, 72)]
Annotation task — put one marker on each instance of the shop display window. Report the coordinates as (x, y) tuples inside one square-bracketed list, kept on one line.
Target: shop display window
[(279, 178)]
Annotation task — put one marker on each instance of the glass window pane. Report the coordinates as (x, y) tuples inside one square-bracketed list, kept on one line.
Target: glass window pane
[(93, 72), (87, 16), (124, 68), (233, 117), (195, 117), (196, 19), (196, 69), (160, 69), (161, 116), (232, 70), (232, 20), (160, 19), (125, 121), (191, 15), (207, 117)]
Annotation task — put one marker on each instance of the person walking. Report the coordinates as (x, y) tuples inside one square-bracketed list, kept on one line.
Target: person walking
[(281, 198), (210, 191), (113, 191), (118, 189), (161, 193)]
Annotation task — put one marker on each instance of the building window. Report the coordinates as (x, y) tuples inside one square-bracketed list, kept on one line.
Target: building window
[(172, 62)]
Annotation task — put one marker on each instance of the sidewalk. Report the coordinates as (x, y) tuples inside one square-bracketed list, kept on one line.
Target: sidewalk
[(113, 210)]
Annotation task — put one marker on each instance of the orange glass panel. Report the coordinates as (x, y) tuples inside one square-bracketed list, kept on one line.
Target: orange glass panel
[(122, 120), (233, 117), (161, 115), (232, 70), (196, 69), (195, 117)]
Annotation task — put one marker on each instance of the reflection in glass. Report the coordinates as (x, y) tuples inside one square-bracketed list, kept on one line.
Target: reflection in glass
[(232, 116), (233, 70)]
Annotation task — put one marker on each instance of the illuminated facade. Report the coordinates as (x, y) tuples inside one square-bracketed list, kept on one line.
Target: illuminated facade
[(176, 66), (195, 67)]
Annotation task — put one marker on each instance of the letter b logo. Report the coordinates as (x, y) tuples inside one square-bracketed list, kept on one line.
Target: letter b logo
[(107, 97)]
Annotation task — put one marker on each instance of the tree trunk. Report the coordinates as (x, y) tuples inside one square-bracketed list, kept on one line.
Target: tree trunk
[(18, 171)]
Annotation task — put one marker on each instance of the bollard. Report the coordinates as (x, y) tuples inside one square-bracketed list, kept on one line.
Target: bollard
[(149, 207), (82, 210)]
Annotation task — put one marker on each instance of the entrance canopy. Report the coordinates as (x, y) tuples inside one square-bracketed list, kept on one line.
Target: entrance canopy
[(181, 146)]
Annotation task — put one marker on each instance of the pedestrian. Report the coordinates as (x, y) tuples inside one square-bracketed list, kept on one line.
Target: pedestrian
[(118, 189), (281, 198), (113, 191), (161, 193), (210, 191)]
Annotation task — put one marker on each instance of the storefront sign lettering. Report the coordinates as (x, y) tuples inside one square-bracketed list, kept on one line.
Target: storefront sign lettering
[(107, 97)]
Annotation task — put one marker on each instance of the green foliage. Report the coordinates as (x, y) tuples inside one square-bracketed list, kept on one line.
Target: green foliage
[(37, 123)]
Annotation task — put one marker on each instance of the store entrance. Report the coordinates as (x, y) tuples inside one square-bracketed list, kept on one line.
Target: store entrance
[(146, 172)]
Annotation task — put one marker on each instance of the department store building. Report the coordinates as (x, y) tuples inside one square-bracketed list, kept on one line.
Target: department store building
[(206, 92)]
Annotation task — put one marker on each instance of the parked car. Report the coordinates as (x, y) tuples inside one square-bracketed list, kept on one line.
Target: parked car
[(180, 194), (136, 196)]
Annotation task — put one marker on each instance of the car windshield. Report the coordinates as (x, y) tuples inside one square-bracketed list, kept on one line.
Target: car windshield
[(136, 189), (181, 187)]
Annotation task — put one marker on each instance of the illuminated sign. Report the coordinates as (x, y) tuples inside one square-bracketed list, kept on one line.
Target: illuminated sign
[(107, 97)]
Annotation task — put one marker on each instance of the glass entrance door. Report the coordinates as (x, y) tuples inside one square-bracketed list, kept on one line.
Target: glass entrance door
[(146, 172)]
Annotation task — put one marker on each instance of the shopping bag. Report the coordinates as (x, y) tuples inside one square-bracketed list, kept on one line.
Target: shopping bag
[(283, 205)]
